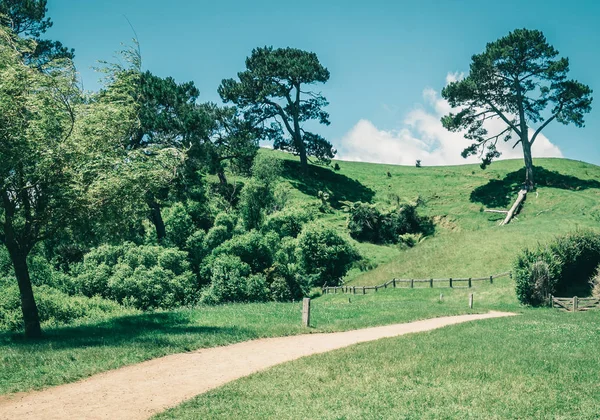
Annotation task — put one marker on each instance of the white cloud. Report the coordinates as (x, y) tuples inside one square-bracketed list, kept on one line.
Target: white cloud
[(423, 137)]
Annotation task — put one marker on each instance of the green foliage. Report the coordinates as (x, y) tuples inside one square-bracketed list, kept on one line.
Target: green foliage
[(516, 81), (367, 223), (144, 277), (179, 224), (229, 281), (258, 196), (288, 222), (272, 89), (595, 283), (253, 248), (562, 268), (324, 255), (55, 307)]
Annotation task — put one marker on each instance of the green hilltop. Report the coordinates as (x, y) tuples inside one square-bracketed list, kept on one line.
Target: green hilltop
[(467, 241)]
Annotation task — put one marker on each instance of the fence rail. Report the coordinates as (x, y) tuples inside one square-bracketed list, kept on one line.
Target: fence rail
[(411, 283), (575, 304)]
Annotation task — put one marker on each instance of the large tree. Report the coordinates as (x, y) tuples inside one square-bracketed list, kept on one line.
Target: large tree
[(272, 93), (27, 19), (63, 156), (520, 81)]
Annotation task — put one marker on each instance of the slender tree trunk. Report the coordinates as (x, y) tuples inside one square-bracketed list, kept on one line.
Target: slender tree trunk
[(302, 152), (529, 182), (157, 220), (222, 177), (30, 312)]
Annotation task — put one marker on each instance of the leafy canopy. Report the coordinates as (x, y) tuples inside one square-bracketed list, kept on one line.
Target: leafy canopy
[(270, 92), (519, 80)]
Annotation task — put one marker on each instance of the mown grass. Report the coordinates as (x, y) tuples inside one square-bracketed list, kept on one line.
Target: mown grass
[(71, 353), (540, 364)]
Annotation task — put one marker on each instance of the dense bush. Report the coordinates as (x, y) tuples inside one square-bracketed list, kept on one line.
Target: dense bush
[(145, 277), (595, 283), (288, 222), (324, 255), (563, 267), (229, 281), (178, 223), (367, 223), (253, 248), (55, 307)]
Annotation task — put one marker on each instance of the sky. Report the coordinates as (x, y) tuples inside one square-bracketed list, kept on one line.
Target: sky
[(389, 60)]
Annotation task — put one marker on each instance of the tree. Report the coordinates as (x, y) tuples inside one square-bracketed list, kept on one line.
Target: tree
[(270, 91), (63, 159), (27, 18), (520, 81)]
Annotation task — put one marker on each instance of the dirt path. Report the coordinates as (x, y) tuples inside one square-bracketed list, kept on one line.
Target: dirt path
[(144, 389)]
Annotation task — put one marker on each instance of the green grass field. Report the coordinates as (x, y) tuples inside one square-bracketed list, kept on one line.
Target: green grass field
[(537, 365)]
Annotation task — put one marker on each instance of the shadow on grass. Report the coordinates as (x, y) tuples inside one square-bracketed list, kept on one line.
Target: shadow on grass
[(339, 187), (499, 192), (157, 329)]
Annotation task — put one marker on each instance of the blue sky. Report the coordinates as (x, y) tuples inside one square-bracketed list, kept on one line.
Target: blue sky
[(388, 60)]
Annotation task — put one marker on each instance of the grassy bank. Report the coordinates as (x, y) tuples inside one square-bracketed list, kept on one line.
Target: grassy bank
[(541, 364)]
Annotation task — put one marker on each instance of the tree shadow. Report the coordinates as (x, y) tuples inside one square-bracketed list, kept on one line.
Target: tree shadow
[(499, 192), (338, 186), (156, 329)]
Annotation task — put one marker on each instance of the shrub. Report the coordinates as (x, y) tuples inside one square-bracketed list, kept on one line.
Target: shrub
[(367, 223), (178, 223), (55, 307), (562, 268), (256, 198), (228, 281), (252, 248), (144, 277), (324, 254), (288, 222), (595, 283)]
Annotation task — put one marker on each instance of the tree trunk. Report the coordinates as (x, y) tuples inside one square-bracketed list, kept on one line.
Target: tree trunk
[(157, 220), (31, 317), (222, 177), (303, 158), (529, 183)]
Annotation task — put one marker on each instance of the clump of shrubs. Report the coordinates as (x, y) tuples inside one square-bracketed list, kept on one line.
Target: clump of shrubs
[(563, 268), (141, 276), (367, 223)]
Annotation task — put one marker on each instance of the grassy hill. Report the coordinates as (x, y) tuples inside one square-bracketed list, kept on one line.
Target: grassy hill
[(468, 241)]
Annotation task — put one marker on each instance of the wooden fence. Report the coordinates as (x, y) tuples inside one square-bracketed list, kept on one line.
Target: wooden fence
[(575, 304), (410, 283)]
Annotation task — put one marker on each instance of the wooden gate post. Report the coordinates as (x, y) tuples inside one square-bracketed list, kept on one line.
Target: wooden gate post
[(306, 312), (575, 304)]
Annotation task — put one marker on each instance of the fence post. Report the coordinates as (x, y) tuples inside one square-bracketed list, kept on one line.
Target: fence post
[(450, 282), (412, 283), (491, 279), (431, 283), (394, 283), (306, 312), (353, 290), (551, 301), (385, 285), (363, 290), (470, 300), (441, 297), (376, 288), (469, 281), (575, 304)]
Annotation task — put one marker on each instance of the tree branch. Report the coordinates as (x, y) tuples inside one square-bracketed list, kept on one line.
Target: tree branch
[(506, 120)]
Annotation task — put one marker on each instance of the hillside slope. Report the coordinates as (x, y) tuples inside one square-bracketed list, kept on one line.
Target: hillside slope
[(468, 241)]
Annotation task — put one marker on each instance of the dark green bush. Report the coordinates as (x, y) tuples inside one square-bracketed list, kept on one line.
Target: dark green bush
[(563, 268), (144, 277), (252, 248), (287, 222), (366, 223), (324, 255), (228, 282), (178, 223)]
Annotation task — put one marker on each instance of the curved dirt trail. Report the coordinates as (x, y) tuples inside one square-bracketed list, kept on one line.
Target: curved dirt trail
[(141, 390)]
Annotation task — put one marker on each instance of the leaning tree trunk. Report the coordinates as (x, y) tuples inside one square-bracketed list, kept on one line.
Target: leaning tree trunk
[(31, 317), (157, 220)]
